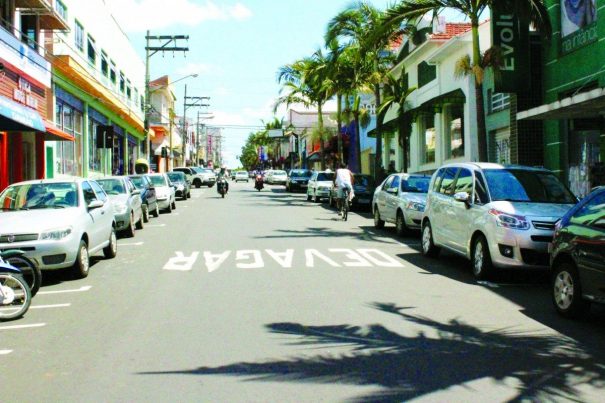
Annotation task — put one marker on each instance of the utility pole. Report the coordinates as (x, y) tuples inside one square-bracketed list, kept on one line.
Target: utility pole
[(199, 129), (189, 102), (167, 43)]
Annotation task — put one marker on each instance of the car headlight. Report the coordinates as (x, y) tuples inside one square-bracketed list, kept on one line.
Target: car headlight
[(119, 208), (510, 220), (415, 206), (55, 234)]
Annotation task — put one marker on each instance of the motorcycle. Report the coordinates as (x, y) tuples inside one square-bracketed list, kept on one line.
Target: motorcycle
[(258, 182), (15, 294), (221, 187)]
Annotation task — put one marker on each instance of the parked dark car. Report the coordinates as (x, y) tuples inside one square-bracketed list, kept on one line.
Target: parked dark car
[(298, 179), (363, 191), (182, 183), (148, 197), (578, 256)]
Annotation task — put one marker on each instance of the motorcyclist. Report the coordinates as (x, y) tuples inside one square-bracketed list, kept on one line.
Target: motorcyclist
[(223, 175)]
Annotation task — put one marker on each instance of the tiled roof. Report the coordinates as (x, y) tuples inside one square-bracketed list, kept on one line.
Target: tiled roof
[(452, 29)]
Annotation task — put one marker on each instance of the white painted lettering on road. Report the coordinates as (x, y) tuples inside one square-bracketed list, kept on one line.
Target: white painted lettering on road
[(310, 260), (5, 352), (284, 259), (383, 259), (257, 259), (81, 289), (180, 262), (356, 259), (16, 327), (213, 261)]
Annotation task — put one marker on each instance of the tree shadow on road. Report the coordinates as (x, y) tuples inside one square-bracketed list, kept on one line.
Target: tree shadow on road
[(545, 366)]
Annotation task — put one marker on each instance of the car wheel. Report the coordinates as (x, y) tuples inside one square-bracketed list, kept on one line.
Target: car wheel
[(174, 204), (130, 231), (428, 246), (198, 184), (111, 250), (481, 259), (309, 197), (184, 197), (378, 223), (400, 226), (169, 208), (315, 197), (145, 213), (140, 224), (156, 212), (567, 291), (82, 264)]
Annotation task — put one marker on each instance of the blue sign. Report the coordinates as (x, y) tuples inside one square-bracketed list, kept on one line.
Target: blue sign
[(21, 114)]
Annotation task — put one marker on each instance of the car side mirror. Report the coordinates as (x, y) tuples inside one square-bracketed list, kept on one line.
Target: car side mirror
[(392, 190), (463, 197), (136, 192), (95, 204)]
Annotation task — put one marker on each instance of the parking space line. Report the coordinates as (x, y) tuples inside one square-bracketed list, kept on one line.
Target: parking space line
[(131, 243), (50, 306), (155, 225), (15, 327), (5, 352), (81, 289)]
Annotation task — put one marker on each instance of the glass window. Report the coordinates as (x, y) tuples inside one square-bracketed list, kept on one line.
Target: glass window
[(92, 51), (89, 194), (447, 182), (112, 71), (527, 186), (592, 213), (29, 31), (99, 191), (395, 183), (499, 101), (61, 9), (438, 177), (138, 182), (456, 132), (122, 82), (59, 115), (464, 182), (128, 89), (387, 183), (430, 138), (68, 118), (79, 36), (158, 180), (325, 176), (104, 64), (415, 184), (112, 186), (481, 196)]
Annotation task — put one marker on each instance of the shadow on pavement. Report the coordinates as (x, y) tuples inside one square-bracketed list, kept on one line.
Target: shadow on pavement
[(546, 366)]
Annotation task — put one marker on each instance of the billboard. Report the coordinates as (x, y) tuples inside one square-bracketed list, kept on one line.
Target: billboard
[(578, 24)]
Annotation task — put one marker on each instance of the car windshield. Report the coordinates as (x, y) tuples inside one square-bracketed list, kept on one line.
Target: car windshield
[(39, 196), (176, 176), (415, 184), (280, 173), (158, 180), (325, 176), (207, 171), (520, 185), (112, 186), (138, 181), (197, 170), (361, 180), (301, 174), (241, 173)]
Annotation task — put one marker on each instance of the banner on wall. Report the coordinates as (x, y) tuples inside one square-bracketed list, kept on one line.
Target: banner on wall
[(578, 24)]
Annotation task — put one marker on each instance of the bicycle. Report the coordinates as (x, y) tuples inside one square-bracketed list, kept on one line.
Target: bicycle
[(344, 203), (15, 295), (29, 270)]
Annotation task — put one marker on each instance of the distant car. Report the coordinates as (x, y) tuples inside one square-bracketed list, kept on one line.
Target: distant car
[(578, 256), (148, 198), (320, 185), (165, 191), (208, 176), (183, 186), (401, 200), (298, 179), (277, 177), (498, 216), (241, 176), (127, 204), (59, 223), (363, 190)]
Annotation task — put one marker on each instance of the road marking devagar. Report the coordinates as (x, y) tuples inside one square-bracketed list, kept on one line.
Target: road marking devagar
[(5, 352)]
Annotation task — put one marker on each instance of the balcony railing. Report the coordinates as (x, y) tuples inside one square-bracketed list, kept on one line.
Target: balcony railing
[(51, 12)]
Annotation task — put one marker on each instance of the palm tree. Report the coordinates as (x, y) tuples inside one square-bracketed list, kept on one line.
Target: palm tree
[(363, 25), (533, 11), (395, 93)]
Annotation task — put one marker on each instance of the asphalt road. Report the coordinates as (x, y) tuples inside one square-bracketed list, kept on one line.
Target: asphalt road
[(265, 297)]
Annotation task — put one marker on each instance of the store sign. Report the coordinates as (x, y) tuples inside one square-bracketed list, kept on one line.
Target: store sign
[(23, 94), (578, 24), (24, 58), (511, 35)]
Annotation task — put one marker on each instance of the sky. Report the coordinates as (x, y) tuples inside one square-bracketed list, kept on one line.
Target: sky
[(235, 46)]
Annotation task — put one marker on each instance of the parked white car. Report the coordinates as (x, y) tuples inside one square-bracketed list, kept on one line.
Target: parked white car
[(497, 216), (400, 200), (165, 191), (320, 185), (127, 204), (58, 223)]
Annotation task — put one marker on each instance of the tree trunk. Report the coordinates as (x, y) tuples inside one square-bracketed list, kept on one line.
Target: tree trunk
[(320, 124), (479, 107), (339, 124), (403, 140), (378, 160), (357, 142)]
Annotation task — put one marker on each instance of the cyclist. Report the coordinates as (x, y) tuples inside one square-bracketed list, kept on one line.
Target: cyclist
[(344, 179)]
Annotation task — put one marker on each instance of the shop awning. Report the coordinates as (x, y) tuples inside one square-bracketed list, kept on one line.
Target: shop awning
[(17, 117), (53, 133), (587, 104), (316, 156)]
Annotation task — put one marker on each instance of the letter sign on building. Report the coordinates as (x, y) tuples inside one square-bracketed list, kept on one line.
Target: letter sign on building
[(511, 35)]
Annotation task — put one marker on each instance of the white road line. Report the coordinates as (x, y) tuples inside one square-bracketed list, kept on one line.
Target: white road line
[(81, 289), (155, 225), (15, 327), (50, 306), (173, 214), (5, 352), (131, 244)]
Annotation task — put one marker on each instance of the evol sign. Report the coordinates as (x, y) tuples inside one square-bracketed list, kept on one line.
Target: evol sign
[(511, 35)]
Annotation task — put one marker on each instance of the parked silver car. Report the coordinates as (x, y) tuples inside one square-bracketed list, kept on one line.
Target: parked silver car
[(127, 204), (58, 223), (320, 185), (495, 215), (165, 191), (400, 200)]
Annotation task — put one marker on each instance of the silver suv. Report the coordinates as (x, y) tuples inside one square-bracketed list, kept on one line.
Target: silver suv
[(494, 215)]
